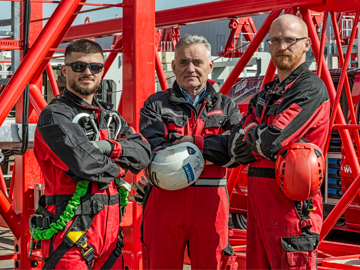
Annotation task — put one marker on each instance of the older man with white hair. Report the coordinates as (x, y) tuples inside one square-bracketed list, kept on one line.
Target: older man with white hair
[(196, 216)]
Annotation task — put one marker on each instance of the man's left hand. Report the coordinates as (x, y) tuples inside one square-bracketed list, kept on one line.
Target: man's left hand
[(183, 139)]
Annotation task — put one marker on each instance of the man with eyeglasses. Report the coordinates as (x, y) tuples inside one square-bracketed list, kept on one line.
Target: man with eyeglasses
[(80, 150), (281, 233)]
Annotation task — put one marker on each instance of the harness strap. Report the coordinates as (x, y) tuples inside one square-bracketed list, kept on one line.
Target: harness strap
[(210, 182), (116, 252)]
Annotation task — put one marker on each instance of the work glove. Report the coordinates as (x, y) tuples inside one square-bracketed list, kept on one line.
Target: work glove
[(104, 146), (141, 188), (124, 189)]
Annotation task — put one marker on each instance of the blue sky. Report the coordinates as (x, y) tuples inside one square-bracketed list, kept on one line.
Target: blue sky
[(5, 7)]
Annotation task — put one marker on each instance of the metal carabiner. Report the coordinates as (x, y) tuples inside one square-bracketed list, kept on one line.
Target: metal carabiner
[(32, 228), (114, 116), (92, 122)]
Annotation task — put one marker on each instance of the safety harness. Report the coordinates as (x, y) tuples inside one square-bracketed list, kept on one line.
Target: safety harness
[(44, 224)]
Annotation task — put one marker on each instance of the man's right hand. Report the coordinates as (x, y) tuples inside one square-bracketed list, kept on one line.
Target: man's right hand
[(104, 146), (141, 188)]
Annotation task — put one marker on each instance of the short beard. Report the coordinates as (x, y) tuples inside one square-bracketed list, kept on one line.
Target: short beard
[(85, 91), (287, 62)]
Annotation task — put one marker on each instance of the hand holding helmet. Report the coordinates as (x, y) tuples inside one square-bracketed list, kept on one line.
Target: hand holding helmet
[(175, 167)]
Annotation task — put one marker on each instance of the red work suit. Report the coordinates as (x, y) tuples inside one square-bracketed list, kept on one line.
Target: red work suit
[(196, 216), (281, 233), (66, 155)]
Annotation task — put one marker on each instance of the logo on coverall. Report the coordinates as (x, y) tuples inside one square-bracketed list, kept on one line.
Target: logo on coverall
[(189, 173)]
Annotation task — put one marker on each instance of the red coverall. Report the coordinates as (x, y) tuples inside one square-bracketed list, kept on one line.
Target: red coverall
[(66, 155), (281, 233), (196, 216)]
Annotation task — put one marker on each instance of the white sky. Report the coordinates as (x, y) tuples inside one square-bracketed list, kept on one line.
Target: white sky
[(5, 9)]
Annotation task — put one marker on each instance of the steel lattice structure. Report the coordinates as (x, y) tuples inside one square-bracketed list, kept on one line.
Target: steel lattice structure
[(137, 46)]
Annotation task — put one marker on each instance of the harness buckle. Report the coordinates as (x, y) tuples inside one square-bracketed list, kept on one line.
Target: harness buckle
[(35, 224), (88, 254), (97, 206), (82, 242)]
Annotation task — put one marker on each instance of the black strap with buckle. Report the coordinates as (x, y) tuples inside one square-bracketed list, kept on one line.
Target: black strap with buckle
[(116, 252)]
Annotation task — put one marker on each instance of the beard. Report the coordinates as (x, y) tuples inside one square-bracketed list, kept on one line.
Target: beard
[(285, 63), (83, 90)]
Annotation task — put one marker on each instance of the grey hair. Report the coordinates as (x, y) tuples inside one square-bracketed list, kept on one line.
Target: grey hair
[(194, 39)]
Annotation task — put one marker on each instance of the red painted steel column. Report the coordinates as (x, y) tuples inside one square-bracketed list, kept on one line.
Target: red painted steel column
[(264, 29), (3, 184), (138, 84), (231, 181), (111, 57), (344, 134), (270, 72), (9, 215), (160, 72), (322, 43), (343, 75), (57, 42), (33, 59), (36, 98), (340, 207), (347, 86), (346, 199), (52, 80)]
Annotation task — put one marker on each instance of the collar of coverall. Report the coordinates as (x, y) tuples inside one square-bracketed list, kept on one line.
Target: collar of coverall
[(275, 87), (177, 97), (96, 104)]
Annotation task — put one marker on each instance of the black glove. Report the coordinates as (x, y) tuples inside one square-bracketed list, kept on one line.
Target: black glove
[(141, 188), (104, 146)]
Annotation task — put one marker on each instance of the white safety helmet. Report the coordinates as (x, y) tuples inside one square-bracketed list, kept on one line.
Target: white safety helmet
[(175, 167)]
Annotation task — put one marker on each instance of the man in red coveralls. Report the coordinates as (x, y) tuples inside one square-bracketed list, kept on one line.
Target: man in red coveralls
[(281, 233), (196, 216), (68, 152)]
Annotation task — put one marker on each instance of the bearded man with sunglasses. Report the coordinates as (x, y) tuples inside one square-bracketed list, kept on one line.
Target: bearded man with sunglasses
[(77, 149), (282, 233)]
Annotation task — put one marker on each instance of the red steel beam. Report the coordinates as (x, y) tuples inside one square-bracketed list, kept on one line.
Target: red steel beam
[(57, 42), (33, 59), (9, 215), (340, 207), (218, 10), (322, 44), (343, 74), (111, 57), (160, 72), (264, 29), (344, 134), (232, 179), (36, 98), (52, 80), (347, 86), (3, 184), (138, 84), (269, 75)]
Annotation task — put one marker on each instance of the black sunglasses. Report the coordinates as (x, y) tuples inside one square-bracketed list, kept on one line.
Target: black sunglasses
[(81, 67)]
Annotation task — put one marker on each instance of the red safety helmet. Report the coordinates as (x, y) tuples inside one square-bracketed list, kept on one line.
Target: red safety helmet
[(300, 170)]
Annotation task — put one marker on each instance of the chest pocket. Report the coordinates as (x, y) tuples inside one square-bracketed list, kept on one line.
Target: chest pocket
[(175, 122), (213, 125)]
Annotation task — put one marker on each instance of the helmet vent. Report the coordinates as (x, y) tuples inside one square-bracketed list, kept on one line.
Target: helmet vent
[(191, 150), (317, 152), (284, 153)]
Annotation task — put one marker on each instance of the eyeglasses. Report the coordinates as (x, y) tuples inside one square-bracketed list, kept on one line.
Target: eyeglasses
[(286, 41), (81, 67)]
